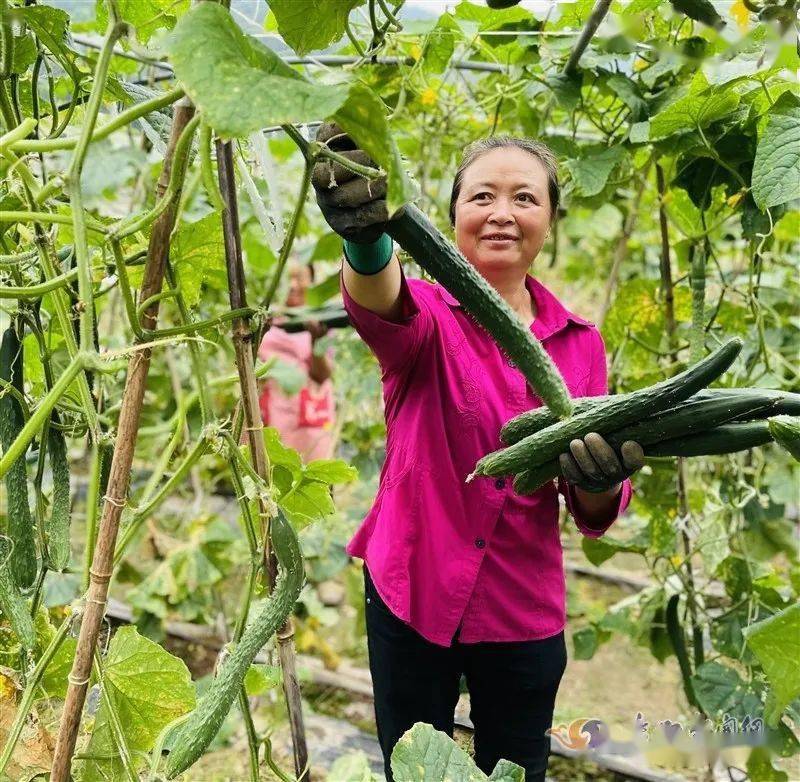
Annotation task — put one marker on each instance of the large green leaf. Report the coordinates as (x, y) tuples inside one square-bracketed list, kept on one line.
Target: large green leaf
[(307, 25), (241, 86), (775, 642), (701, 106), (720, 690), (238, 83), (760, 768), (148, 688), (147, 16), (776, 171), (424, 754), (590, 173)]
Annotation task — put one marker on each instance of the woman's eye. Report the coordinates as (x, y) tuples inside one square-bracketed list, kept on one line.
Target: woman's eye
[(480, 195), (530, 198)]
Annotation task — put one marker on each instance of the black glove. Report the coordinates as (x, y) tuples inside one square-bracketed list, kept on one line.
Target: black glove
[(592, 464), (353, 206)]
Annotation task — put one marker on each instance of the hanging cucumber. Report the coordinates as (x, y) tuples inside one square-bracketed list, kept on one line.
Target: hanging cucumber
[(12, 603), (22, 563), (434, 253), (197, 732), (547, 444), (697, 281), (786, 431), (726, 438), (678, 641), (58, 525)]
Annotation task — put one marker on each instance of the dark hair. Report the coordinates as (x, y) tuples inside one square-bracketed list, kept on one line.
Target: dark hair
[(538, 149)]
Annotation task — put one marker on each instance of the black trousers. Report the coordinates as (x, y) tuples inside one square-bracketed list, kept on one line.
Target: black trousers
[(512, 688)]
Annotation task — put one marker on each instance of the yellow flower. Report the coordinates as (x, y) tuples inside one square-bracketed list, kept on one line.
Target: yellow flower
[(742, 16), (428, 97), (416, 51), (734, 200)]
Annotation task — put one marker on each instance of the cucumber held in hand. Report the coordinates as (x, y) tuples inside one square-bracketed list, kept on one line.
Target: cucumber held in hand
[(532, 421), (203, 724), (547, 444), (433, 252)]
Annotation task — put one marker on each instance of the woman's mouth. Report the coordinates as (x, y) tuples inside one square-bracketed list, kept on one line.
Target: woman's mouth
[(499, 240)]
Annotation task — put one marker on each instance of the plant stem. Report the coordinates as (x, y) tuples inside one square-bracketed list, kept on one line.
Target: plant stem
[(123, 119)]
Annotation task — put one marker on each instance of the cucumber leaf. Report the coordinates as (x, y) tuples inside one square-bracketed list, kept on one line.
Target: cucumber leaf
[(776, 171), (307, 25)]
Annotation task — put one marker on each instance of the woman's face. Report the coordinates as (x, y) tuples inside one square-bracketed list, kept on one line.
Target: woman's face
[(299, 282), (502, 214)]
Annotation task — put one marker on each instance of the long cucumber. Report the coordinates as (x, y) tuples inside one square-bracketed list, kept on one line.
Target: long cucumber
[(540, 418), (198, 731), (541, 447), (58, 524), (726, 438), (12, 603), (22, 563), (434, 253)]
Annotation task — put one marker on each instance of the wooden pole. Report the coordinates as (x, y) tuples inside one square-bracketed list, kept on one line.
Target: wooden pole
[(243, 347), (119, 477)]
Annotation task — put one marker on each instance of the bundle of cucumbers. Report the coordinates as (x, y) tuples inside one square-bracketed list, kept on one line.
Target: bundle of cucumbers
[(679, 416)]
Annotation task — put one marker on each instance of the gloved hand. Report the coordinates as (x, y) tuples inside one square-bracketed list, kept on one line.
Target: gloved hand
[(353, 206), (593, 465)]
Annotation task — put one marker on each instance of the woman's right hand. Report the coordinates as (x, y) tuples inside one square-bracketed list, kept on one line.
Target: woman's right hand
[(353, 206)]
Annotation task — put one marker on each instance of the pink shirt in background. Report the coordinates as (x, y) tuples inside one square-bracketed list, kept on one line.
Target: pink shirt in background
[(441, 551), (303, 420)]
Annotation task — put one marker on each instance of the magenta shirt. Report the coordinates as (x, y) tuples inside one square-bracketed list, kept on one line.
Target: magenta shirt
[(441, 551)]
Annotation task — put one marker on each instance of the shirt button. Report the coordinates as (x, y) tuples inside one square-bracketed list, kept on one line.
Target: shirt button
[(511, 363), (500, 483), (480, 542)]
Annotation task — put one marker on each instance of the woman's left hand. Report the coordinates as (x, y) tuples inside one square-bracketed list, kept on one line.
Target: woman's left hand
[(593, 465)]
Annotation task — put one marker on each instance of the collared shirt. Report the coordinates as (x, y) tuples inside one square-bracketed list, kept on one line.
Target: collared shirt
[(443, 552)]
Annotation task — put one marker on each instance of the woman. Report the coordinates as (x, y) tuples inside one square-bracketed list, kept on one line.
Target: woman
[(468, 577), (304, 419)]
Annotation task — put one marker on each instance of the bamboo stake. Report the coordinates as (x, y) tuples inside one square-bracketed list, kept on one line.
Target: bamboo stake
[(242, 341), (117, 490)]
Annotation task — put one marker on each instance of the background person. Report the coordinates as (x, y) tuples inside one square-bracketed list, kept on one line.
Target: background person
[(304, 420)]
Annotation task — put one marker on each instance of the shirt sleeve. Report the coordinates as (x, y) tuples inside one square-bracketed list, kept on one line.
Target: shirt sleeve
[(597, 386), (395, 344)]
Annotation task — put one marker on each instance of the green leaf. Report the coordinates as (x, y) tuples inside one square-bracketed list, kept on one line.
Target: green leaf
[(24, 53), (148, 688), (439, 44), (279, 454), (147, 16), (307, 25), (585, 643), (490, 19), (720, 690), (51, 25), (327, 248), (775, 642), (627, 91), (331, 471), (307, 501), (363, 117), (598, 550), (198, 254), (590, 173), (776, 170), (262, 678), (701, 10), (239, 84), (697, 109), (424, 754)]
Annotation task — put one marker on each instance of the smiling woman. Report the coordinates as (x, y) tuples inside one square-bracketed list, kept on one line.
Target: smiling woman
[(465, 576)]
